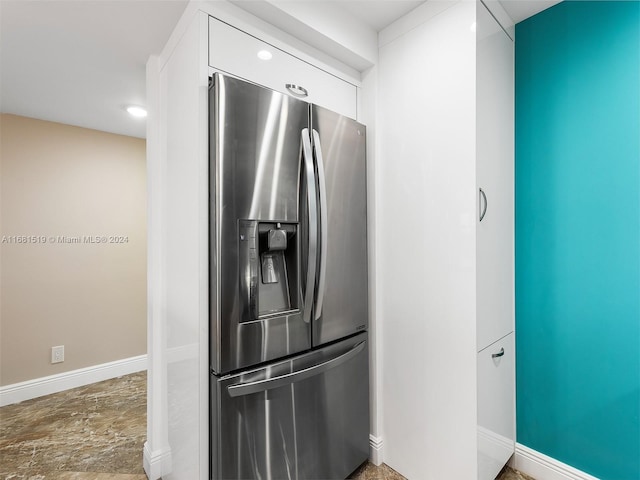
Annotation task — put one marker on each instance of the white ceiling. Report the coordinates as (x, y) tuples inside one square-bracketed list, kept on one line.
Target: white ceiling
[(378, 13), (81, 62), (519, 10)]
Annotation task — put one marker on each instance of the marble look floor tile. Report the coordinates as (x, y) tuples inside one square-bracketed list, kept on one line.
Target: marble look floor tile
[(510, 474), (96, 429), (369, 471), (99, 476)]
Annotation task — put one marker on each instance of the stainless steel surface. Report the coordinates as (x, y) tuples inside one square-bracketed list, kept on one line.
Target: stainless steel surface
[(240, 389), (499, 354), (316, 428), (483, 209), (289, 299), (312, 224), (269, 273), (277, 239), (297, 90), (324, 226), (255, 177), (345, 304)]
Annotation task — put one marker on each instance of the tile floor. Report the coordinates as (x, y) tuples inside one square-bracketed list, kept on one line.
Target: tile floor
[(94, 432), (369, 471), (97, 432)]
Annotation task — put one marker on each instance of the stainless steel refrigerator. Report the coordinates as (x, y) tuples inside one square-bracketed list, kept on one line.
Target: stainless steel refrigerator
[(288, 287)]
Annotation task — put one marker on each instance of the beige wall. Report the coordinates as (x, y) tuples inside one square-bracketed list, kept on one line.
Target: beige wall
[(57, 180)]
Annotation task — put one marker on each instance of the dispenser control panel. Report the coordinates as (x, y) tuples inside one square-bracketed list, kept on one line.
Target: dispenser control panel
[(269, 268), (249, 260)]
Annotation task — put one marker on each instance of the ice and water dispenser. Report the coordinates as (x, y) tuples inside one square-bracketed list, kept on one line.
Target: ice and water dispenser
[(269, 266)]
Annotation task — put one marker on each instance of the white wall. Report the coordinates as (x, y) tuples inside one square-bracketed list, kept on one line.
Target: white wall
[(178, 425), (426, 242), (368, 109)]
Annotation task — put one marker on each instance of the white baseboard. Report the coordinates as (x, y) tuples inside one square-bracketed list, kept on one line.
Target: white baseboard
[(542, 467), (19, 392), (156, 463), (375, 450)]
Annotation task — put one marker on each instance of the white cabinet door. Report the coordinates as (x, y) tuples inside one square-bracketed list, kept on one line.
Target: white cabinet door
[(494, 245), (496, 407), (494, 175), (242, 55)]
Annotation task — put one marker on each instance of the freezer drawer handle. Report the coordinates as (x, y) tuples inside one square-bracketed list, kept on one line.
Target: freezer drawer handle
[(323, 226), (499, 354), (240, 389), (307, 156)]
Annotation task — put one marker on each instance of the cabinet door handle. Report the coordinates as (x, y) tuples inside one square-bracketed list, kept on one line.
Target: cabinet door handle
[(499, 354), (483, 211), (297, 90)]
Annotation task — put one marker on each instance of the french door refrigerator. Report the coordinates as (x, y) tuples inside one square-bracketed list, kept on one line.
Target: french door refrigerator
[(289, 383)]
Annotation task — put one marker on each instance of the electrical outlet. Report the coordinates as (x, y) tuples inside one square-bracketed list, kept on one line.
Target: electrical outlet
[(57, 354)]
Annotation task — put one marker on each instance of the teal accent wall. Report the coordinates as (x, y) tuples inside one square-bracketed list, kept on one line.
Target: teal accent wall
[(578, 235)]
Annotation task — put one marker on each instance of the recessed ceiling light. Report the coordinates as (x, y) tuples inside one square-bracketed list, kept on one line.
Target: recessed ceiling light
[(135, 111), (264, 55)]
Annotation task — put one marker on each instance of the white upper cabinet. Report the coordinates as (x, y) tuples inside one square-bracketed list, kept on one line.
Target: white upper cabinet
[(494, 174), (237, 53)]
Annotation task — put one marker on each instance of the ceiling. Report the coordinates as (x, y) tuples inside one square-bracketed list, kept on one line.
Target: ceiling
[(520, 10), (82, 62), (378, 13)]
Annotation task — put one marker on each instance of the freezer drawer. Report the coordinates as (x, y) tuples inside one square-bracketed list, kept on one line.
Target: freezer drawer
[(301, 419)]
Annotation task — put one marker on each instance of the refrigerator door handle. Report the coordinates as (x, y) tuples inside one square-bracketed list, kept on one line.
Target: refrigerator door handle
[(312, 206), (323, 225), (240, 389)]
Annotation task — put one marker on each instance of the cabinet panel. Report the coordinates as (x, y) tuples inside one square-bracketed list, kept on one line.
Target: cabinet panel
[(496, 407), (425, 178), (494, 174), (237, 53)]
